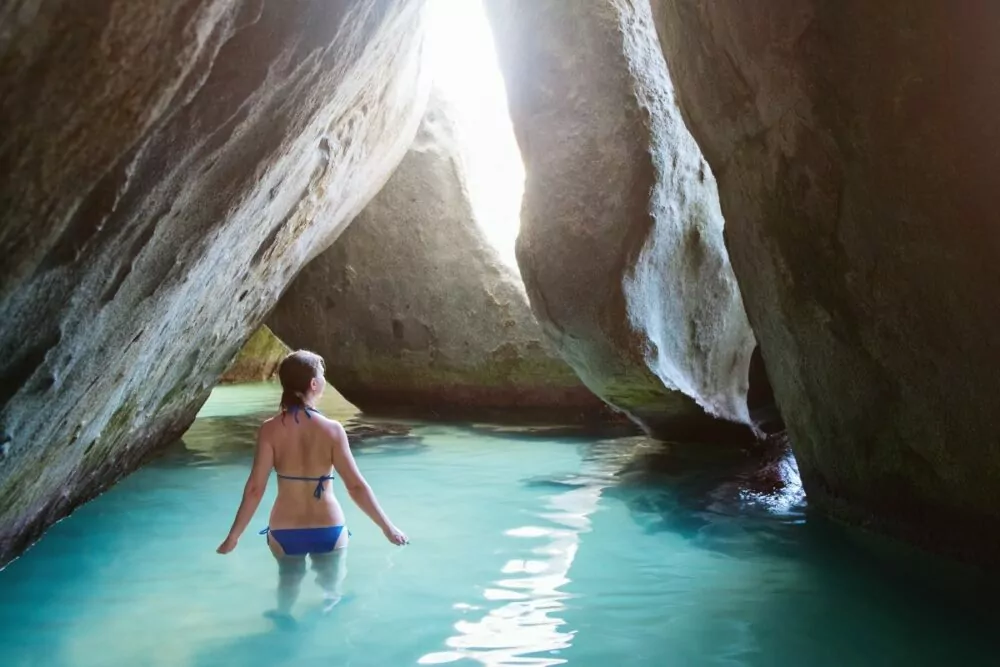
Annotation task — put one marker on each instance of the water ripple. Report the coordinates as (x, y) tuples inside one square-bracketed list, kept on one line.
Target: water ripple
[(528, 629)]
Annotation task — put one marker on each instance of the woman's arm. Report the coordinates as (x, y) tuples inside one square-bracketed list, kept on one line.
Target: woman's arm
[(358, 488), (263, 461)]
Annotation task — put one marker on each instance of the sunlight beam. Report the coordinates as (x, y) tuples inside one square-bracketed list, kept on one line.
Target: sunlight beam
[(467, 75)]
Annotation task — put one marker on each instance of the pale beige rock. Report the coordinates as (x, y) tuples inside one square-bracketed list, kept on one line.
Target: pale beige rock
[(414, 310), (621, 245), (168, 168)]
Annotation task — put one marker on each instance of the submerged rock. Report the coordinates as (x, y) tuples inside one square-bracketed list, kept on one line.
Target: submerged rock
[(168, 167), (258, 359), (857, 149), (360, 431), (621, 245), (413, 308)]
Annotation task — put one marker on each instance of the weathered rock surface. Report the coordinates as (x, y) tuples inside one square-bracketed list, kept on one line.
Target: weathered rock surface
[(258, 359), (413, 309), (858, 152), (621, 244), (167, 167)]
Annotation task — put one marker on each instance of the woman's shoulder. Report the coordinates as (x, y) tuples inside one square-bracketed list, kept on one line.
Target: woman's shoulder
[(327, 421), (271, 423), (331, 426)]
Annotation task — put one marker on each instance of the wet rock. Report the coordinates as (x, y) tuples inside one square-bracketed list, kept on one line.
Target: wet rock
[(257, 360), (857, 149), (621, 244), (414, 310), (167, 168), (359, 431)]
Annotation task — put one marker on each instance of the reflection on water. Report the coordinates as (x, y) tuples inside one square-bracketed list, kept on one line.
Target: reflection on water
[(528, 548), (528, 623), (672, 481), (718, 498), (227, 425)]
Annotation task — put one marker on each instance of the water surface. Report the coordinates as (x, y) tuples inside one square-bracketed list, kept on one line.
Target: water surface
[(527, 549)]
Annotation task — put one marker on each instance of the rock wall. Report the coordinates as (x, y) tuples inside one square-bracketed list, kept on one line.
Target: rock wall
[(414, 310), (258, 359), (167, 167), (621, 245), (857, 148)]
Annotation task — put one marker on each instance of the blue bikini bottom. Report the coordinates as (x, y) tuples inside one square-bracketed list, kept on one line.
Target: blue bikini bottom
[(302, 541)]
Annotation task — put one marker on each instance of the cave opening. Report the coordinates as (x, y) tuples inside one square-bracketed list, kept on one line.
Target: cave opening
[(459, 187), (463, 59)]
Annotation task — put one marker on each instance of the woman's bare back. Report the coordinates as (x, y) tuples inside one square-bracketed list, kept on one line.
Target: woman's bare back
[(303, 447)]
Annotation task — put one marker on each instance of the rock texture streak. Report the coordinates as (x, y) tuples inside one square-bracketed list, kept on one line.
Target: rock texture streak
[(858, 152), (621, 245), (413, 309), (167, 167)]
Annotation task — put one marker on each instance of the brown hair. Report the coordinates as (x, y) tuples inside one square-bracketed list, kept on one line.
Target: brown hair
[(295, 372)]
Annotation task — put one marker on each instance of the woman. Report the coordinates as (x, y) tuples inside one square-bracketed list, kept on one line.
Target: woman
[(304, 448)]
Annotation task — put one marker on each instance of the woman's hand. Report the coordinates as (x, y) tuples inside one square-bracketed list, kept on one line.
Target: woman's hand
[(227, 545), (395, 535)]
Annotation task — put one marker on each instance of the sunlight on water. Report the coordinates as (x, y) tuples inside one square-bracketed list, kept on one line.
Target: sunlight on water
[(527, 549), (528, 622)]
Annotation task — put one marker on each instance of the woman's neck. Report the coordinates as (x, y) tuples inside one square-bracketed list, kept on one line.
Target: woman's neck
[(308, 400)]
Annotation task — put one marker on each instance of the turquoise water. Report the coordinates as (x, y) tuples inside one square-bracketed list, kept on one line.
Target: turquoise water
[(527, 549)]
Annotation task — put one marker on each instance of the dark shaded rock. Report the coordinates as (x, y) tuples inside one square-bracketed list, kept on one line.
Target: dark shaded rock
[(621, 244), (857, 148), (167, 167), (257, 360), (414, 310)]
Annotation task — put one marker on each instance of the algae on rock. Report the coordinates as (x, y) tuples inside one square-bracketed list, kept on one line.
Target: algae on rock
[(258, 359)]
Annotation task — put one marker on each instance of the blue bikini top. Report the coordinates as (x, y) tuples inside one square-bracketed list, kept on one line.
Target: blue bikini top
[(294, 411), (320, 481)]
